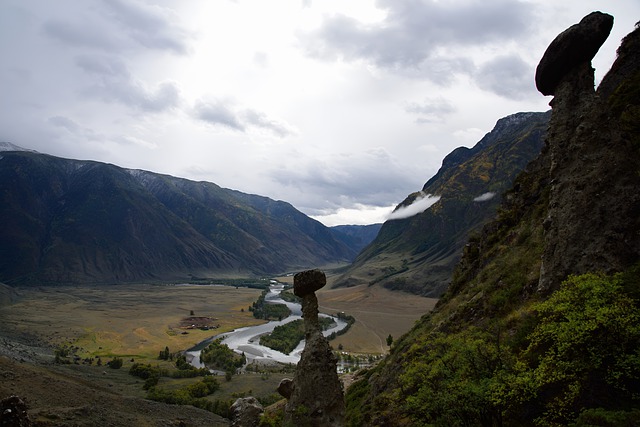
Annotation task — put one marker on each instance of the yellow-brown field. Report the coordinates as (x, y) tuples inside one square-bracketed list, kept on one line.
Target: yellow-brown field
[(379, 313), (140, 320), (133, 320)]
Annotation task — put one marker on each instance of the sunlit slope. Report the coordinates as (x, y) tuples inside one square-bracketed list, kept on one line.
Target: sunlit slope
[(417, 254)]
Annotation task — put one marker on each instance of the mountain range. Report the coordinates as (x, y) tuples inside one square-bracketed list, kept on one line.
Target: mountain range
[(71, 221)]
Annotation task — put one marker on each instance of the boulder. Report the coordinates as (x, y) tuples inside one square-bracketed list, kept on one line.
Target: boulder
[(285, 388), (246, 412), (13, 413), (575, 46), (307, 282)]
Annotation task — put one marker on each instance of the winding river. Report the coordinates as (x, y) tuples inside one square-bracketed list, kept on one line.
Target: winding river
[(247, 340)]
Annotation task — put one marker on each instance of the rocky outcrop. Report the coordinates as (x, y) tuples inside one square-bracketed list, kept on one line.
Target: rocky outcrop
[(285, 388), (315, 394), (13, 413), (246, 412), (593, 218)]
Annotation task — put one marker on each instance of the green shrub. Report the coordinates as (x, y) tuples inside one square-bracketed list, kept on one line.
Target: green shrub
[(115, 363), (583, 353)]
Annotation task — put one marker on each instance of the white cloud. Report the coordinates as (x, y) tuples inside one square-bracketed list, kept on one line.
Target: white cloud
[(419, 205), (358, 215), (485, 197)]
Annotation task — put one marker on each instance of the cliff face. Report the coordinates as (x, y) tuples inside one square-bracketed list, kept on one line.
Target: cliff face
[(418, 254), (512, 342), (593, 219)]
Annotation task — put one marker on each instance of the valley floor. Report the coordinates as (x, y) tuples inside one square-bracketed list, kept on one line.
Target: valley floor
[(135, 323)]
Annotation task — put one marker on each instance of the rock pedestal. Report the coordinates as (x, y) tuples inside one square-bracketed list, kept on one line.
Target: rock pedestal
[(315, 394), (593, 221)]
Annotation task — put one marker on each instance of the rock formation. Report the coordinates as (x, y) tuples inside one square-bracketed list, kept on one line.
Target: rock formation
[(576, 46), (13, 413), (593, 218), (315, 394), (246, 412)]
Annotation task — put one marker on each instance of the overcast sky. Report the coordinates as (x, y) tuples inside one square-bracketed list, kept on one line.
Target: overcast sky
[(341, 108)]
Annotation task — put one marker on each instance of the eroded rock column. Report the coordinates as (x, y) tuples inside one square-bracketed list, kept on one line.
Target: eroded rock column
[(592, 223), (315, 394)]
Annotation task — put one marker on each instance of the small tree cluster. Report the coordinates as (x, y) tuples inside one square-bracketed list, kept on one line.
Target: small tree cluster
[(165, 354)]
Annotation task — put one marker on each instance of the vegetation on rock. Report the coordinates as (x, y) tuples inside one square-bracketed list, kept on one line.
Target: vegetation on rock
[(577, 350)]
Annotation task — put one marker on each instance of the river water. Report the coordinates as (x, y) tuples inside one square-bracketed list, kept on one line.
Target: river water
[(247, 340)]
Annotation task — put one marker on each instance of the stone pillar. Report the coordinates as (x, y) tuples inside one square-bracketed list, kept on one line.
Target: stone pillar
[(315, 394)]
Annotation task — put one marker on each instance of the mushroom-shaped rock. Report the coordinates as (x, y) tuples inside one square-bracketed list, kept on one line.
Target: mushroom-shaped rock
[(307, 282), (574, 46)]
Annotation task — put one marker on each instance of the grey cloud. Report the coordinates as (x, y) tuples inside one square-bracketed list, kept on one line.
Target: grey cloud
[(260, 120), (105, 66), (64, 122), (372, 177), (507, 76), (120, 25), (431, 109), (414, 33), (218, 113), (81, 133), (150, 26), (113, 83), (82, 34)]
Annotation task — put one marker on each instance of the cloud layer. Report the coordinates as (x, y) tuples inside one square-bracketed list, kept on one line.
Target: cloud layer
[(336, 107), (419, 205)]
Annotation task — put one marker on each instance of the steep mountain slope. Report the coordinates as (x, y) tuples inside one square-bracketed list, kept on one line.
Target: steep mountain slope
[(528, 334), (69, 221), (418, 254)]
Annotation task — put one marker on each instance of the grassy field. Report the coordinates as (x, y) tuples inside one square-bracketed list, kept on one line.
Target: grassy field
[(379, 313), (130, 321)]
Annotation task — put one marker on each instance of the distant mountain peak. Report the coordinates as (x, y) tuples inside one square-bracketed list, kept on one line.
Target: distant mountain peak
[(418, 254), (7, 146)]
